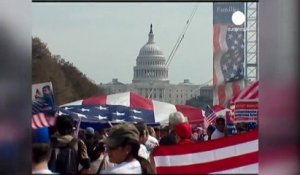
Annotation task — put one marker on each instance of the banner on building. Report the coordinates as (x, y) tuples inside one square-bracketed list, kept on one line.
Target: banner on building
[(228, 52)]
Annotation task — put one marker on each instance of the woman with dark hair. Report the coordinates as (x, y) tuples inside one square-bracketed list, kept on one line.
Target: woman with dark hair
[(122, 145)]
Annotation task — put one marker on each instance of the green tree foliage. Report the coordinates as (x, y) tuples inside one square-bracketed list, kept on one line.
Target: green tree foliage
[(68, 82), (200, 101)]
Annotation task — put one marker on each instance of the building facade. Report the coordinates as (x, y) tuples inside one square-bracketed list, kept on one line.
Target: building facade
[(150, 78)]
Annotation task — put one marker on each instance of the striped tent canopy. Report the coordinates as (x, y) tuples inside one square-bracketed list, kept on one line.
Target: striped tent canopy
[(249, 93), (128, 106)]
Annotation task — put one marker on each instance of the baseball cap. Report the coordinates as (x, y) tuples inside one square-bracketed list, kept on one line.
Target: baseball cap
[(183, 130), (90, 130), (119, 133)]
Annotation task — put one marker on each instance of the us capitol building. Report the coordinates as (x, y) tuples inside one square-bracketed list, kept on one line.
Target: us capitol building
[(150, 78)]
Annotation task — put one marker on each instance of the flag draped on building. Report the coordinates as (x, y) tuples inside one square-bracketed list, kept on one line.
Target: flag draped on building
[(231, 155), (129, 107), (228, 56)]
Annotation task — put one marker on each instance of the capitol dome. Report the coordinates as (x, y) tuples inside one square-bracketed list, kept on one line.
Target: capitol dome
[(150, 63), (150, 49)]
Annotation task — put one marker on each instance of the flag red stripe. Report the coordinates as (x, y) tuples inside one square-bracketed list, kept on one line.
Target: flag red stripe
[(140, 102), (245, 92), (217, 108), (214, 76), (248, 90), (254, 95), (37, 121), (205, 146), (215, 166), (99, 100), (44, 121), (51, 120), (240, 119), (216, 38), (221, 94), (194, 114), (33, 124), (236, 88)]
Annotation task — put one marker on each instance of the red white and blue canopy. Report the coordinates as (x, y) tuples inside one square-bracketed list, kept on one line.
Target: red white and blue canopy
[(129, 107)]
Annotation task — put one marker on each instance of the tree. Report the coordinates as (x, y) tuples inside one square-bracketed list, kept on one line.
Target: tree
[(68, 82)]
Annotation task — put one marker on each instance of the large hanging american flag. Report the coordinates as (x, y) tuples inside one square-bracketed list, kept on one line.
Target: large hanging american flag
[(236, 154), (228, 63), (128, 107)]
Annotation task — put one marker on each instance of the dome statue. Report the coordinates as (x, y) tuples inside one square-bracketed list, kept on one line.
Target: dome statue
[(150, 63)]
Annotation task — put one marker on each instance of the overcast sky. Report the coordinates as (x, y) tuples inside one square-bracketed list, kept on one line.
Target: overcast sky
[(103, 39)]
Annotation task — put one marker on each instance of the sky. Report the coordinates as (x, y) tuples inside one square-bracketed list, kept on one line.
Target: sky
[(103, 40)]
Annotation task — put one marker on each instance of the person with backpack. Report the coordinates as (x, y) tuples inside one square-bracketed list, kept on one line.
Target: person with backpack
[(67, 151), (90, 140), (40, 151), (96, 152)]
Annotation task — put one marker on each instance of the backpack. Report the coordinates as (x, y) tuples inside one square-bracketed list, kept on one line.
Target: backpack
[(64, 158)]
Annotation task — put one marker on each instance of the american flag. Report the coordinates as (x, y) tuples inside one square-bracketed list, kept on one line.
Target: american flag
[(210, 115), (250, 93), (42, 114), (228, 42), (127, 107), (236, 154)]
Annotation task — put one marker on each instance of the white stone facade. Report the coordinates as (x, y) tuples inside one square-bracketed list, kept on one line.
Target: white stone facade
[(150, 78)]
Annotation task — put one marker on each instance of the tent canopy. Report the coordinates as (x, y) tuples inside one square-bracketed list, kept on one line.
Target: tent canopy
[(129, 107)]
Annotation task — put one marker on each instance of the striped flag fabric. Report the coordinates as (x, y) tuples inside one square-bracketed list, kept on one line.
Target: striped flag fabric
[(129, 107), (228, 53), (210, 115), (248, 96), (236, 154), (249, 93), (42, 115)]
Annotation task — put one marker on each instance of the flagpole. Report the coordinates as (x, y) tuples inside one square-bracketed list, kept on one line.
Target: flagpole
[(78, 127)]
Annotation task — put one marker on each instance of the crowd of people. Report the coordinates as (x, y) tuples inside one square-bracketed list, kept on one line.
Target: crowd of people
[(123, 148)]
